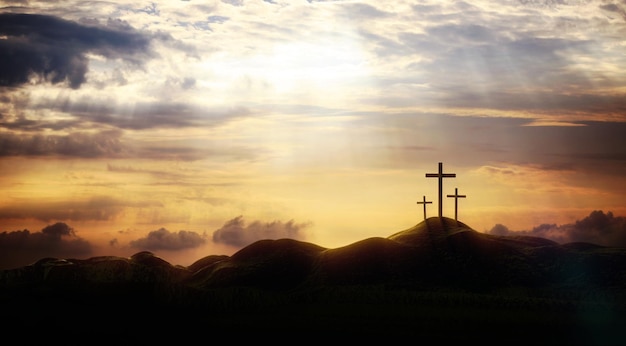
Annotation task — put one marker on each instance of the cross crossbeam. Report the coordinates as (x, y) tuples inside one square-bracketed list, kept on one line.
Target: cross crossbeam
[(456, 197), (424, 202), (440, 175)]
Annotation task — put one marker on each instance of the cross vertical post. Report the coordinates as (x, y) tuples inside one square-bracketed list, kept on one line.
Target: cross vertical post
[(424, 202), (440, 175), (456, 202)]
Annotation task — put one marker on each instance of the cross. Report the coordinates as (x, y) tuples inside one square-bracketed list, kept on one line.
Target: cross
[(424, 202), (440, 175), (456, 200)]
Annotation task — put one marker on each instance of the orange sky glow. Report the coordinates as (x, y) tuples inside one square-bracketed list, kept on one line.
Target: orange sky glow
[(190, 129)]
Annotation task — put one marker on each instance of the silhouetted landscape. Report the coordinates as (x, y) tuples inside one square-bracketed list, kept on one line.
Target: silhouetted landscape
[(439, 280), (170, 169)]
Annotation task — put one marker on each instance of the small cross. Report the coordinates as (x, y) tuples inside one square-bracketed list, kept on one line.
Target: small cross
[(424, 202), (440, 175), (456, 200)]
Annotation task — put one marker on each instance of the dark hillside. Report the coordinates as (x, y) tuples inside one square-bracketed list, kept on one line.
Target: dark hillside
[(437, 281)]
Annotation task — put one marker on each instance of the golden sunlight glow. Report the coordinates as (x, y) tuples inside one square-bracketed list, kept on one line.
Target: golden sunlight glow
[(329, 113), (314, 65)]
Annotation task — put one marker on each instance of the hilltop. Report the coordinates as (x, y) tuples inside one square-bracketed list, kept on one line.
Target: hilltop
[(416, 281)]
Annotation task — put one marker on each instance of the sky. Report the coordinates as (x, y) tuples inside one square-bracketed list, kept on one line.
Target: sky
[(194, 128)]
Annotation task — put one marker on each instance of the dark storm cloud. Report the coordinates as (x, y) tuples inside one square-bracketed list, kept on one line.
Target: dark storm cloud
[(94, 209), (162, 239), (54, 50), (84, 145), (597, 228), (20, 248), (236, 232)]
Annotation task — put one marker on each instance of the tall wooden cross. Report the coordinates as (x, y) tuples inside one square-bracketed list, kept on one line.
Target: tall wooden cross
[(456, 197), (440, 175), (424, 202)]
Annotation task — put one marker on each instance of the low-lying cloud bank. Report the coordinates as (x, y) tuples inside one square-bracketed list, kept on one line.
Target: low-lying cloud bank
[(236, 232), (597, 228), (59, 240)]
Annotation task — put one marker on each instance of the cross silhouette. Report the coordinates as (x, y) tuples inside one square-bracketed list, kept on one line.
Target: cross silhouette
[(456, 200), (424, 202), (440, 175)]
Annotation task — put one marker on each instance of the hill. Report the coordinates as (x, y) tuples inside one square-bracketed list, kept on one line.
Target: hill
[(437, 280)]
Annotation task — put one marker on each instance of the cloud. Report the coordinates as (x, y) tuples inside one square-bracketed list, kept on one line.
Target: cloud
[(506, 73), (615, 9), (91, 112), (162, 239), (512, 58), (44, 48), (20, 248), (597, 228), (595, 148), (79, 144), (98, 208), (235, 232), (362, 11), (463, 33)]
